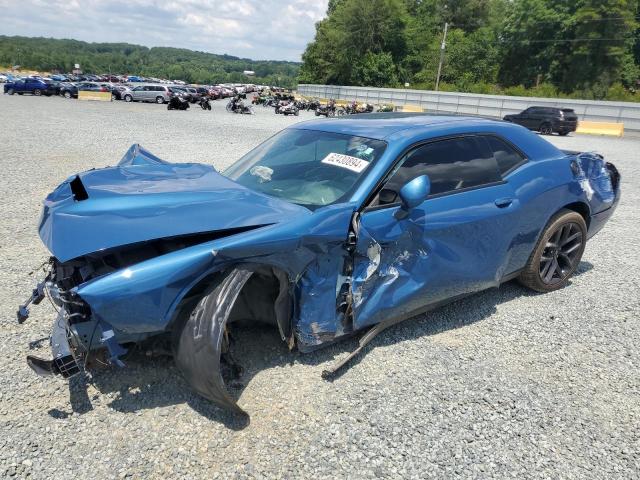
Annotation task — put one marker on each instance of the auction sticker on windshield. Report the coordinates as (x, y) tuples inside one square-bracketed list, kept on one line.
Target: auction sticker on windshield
[(354, 164)]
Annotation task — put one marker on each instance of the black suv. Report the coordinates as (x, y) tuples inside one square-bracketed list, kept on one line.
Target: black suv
[(546, 120)]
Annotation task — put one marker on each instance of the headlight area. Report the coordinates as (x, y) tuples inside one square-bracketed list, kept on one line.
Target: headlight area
[(75, 331)]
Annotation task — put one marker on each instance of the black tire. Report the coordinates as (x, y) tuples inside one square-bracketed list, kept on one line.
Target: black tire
[(67, 94), (128, 98), (545, 129), (563, 134), (10, 91), (113, 97), (37, 92), (200, 341), (159, 100), (557, 253), (317, 113)]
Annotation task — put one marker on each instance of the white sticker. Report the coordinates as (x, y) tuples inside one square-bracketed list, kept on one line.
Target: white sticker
[(354, 164)]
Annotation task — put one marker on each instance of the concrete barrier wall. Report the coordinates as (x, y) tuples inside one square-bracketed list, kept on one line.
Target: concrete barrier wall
[(94, 96), (475, 104)]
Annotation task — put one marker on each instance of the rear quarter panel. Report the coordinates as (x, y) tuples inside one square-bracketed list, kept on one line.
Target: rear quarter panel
[(544, 185)]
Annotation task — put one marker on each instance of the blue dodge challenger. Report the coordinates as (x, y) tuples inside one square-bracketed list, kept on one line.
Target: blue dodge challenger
[(328, 228)]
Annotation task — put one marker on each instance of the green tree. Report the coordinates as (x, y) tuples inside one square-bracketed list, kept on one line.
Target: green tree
[(47, 54), (353, 29), (601, 33), (376, 70), (529, 41)]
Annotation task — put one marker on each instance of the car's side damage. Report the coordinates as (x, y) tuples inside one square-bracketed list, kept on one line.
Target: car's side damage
[(149, 248)]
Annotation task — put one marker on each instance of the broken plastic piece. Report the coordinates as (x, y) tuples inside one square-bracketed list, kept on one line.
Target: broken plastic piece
[(108, 339), (364, 340), (36, 297)]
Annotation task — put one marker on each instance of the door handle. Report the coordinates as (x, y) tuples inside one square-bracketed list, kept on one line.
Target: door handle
[(503, 202)]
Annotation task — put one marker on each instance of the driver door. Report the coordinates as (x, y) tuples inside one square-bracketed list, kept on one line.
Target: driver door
[(456, 242)]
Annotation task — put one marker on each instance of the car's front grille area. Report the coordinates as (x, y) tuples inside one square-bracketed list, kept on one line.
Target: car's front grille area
[(67, 366)]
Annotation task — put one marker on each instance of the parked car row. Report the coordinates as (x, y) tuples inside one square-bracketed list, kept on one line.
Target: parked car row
[(128, 92)]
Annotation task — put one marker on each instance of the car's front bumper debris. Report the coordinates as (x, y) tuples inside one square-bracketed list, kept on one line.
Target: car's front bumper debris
[(64, 362), (36, 297)]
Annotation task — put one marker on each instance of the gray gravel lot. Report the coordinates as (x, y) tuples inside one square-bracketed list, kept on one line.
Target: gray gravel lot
[(503, 384)]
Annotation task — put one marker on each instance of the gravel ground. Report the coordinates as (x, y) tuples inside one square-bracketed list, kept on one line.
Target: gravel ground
[(503, 384)]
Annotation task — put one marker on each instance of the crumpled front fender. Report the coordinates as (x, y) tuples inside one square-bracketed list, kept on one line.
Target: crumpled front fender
[(200, 345), (143, 298)]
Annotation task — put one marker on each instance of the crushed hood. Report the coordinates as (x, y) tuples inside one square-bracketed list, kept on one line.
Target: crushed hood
[(145, 198)]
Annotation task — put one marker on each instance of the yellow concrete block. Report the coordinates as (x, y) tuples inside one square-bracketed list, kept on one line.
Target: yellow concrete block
[(410, 108), (98, 96), (601, 128)]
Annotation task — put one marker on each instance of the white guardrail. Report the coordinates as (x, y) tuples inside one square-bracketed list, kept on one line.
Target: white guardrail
[(475, 104)]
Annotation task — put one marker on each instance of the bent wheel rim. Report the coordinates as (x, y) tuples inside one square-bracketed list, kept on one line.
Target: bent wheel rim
[(561, 253)]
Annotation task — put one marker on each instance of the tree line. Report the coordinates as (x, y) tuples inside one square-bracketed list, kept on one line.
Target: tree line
[(572, 48), (55, 55)]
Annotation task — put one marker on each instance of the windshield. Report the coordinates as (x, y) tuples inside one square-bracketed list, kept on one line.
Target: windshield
[(307, 167)]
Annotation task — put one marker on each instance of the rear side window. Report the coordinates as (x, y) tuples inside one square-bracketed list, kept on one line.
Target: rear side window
[(452, 165), (506, 156)]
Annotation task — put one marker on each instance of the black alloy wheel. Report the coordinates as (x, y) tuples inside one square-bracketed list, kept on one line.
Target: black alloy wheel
[(561, 254), (557, 254)]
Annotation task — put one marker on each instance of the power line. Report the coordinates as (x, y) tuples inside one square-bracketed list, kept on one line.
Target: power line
[(575, 40), (567, 40), (579, 21)]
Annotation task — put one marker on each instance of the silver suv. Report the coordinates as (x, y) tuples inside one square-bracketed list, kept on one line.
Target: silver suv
[(148, 93)]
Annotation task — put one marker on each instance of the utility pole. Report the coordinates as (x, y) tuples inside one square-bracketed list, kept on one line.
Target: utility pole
[(442, 47)]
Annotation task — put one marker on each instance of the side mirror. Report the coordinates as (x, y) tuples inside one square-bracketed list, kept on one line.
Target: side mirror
[(412, 194)]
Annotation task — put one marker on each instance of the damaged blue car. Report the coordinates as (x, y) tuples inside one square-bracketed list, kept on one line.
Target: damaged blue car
[(329, 228)]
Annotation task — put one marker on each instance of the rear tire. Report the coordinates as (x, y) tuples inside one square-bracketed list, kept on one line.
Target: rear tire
[(11, 91), (159, 100), (557, 253), (545, 129), (563, 134)]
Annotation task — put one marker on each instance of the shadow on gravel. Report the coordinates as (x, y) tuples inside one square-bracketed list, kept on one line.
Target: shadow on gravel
[(150, 383)]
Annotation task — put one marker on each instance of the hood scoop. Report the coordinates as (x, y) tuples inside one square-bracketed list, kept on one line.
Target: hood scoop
[(78, 190)]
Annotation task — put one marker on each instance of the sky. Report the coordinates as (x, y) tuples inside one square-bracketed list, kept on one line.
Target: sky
[(256, 29)]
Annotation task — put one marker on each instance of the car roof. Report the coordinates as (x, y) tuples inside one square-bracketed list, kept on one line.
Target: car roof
[(382, 125)]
